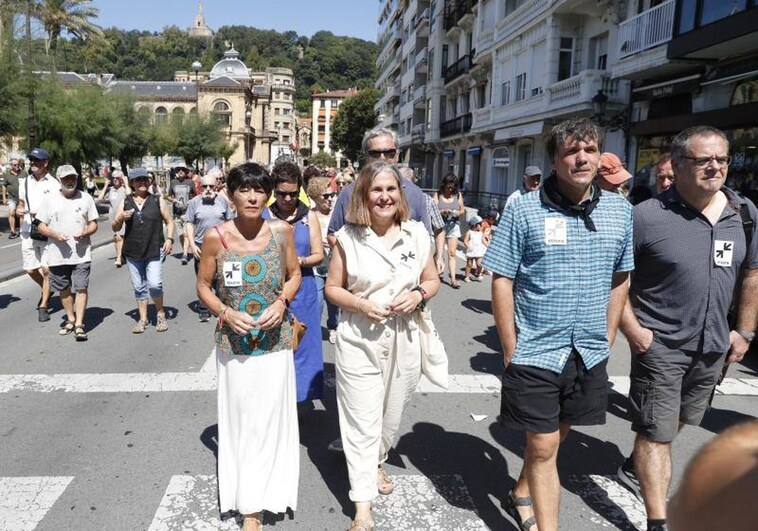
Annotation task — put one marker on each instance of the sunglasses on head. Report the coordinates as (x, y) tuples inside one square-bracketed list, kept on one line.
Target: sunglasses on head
[(283, 194), (377, 153)]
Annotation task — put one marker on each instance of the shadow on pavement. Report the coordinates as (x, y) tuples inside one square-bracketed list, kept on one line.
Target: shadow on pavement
[(489, 339), (95, 316), (478, 306), (717, 420), (487, 362), (436, 451), (6, 299), (171, 313)]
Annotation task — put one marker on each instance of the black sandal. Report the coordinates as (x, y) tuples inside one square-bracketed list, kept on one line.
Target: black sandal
[(511, 505), (80, 334), (66, 328)]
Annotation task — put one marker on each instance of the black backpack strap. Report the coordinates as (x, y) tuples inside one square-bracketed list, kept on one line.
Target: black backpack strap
[(748, 224)]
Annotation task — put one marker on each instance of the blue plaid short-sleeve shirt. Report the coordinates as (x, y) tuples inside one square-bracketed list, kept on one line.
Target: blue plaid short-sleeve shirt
[(561, 289)]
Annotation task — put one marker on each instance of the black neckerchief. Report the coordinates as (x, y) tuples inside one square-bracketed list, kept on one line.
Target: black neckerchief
[(551, 195), (300, 213)]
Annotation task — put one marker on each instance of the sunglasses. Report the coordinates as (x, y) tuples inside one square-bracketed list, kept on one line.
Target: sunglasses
[(329, 196), (283, 194), (377, 153), (207, 186)]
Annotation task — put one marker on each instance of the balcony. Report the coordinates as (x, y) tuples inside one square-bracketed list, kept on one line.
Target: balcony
[(281, 87), (460, 67), (647, 30), (583, 87), (421, 20), (456, 126), (419, 96), (484, 43), (421, 59), (455, 11)]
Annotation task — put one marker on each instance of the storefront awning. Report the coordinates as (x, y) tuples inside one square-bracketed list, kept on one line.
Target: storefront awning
[(518, 131), (449, 153), (667, 88), (473, 151)]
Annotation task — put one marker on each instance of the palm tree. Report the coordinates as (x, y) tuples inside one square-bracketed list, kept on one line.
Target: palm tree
[(73, 16)]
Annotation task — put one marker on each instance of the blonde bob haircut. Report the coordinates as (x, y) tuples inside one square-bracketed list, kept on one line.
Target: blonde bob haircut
[(358, 211)]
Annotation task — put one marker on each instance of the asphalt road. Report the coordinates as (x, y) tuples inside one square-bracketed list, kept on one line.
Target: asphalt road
[(119, 432)]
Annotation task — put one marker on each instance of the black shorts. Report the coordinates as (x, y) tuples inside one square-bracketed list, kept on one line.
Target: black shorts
[(539, 400)]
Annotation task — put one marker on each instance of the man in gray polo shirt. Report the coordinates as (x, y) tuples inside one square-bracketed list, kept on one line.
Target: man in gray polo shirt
[(690, 253)]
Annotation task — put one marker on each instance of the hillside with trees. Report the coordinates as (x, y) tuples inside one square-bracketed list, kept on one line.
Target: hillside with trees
[(322, 62)]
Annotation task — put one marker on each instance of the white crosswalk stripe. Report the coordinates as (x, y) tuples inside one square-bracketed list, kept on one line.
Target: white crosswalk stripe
[(605, 495), (190, 503), (24, 501)]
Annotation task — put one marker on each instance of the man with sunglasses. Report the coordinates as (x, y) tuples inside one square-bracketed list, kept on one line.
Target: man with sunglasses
[(381, 144), (33, 191), (205, 211), (693, 251), (10, 193)]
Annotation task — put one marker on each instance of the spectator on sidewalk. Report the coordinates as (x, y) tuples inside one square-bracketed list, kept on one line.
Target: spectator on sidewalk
[(33, 191), (145, 246), (561, 259), (10, 179), (68, 219), (205, 211), (692, 256), (530, 182)]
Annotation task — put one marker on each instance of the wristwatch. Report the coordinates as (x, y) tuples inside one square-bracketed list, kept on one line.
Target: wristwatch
[(747, 336), (424, 296)]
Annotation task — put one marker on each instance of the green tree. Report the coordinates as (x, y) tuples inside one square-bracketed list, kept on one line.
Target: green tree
[(73, 16), (355, 116), (162, 138), (197, 139), (322, 159), (131, 130)]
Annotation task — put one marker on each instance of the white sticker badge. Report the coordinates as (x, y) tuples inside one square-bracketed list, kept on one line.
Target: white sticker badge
[(232, 274), (555, 231), (722, 253)]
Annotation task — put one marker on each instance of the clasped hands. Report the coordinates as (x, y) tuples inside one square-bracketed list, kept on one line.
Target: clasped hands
[(401, 305)]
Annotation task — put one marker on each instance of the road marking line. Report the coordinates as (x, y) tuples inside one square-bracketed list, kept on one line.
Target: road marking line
[(205, 380), (24, 501), (190, 502), (610, 503), (427, 502)]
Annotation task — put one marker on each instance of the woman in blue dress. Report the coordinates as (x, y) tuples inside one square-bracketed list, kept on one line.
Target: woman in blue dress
[(309, 361)]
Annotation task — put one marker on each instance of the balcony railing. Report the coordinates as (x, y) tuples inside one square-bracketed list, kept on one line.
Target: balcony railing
[(421, 18), (583, 86), (647, 30), (419, 94), (421, 58), (456, 11), (456, 126), (460, 67)]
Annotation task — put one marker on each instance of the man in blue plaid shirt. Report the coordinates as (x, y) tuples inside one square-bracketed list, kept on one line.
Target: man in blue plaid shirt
[(561, 258)]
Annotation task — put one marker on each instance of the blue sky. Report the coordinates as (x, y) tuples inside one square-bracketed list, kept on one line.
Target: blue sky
[(354, 18)]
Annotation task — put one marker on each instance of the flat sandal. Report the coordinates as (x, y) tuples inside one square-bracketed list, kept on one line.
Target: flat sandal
[(511, 505), (361, 525)]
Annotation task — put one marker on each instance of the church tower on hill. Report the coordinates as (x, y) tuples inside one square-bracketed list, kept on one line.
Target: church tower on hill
[(199, 28)]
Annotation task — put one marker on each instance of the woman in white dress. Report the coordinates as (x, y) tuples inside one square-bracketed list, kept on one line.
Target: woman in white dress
[(255, 267), (114, 192), (381, 273)]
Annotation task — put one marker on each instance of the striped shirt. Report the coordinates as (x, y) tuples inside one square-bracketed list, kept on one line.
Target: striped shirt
[(561, 289)]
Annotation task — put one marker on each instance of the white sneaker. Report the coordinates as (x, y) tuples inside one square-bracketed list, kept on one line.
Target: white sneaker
[(332, 336)]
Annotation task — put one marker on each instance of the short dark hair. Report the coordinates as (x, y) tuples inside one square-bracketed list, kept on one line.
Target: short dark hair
[(249, 175), (310, 172), (447, 180), (574, 128), (286, 172), (680, 146), (358, 212)]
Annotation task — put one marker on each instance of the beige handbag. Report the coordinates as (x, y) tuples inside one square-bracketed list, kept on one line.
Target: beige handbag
[(433, 353)]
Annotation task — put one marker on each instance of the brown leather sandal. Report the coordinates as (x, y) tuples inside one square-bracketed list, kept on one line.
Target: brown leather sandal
[(384, 483)]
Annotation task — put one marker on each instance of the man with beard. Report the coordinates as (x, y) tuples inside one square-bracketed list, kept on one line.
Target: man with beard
[(68, 219), (204, 212), (180, 191), (32, 192)]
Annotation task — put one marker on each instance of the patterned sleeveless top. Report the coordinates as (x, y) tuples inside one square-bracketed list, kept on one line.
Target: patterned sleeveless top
[(261, 285)]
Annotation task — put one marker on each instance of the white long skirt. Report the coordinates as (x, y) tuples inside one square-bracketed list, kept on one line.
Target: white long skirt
[(258, 439)]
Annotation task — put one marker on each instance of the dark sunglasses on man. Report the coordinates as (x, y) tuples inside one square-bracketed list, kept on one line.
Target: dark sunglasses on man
[(283, 194), (377, 153)]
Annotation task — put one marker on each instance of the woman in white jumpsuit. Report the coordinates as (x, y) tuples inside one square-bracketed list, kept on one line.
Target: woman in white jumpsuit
[(381, 275)]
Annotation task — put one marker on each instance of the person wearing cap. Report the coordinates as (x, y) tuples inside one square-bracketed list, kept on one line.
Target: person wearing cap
[(180, 191), (144, 215), (611, 174), (531, 182), (32, 192), (114, 192), (68, 219), (560, 260), (476, 243), (205, 211)]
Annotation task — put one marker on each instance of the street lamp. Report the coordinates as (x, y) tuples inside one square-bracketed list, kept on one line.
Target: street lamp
[(196, 66), (620, 120), (599, 101), (248, 120)]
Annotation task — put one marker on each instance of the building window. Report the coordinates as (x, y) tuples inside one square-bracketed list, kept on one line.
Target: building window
[(222, 113), (565, 58), (521, 87), (161, 116), (599, 51), (177, 115), (286, 111), (277, 111)]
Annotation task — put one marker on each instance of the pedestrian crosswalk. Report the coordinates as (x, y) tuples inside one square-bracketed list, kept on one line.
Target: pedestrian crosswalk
[(439, 502)]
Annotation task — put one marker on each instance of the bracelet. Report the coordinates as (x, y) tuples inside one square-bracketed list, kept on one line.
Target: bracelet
[(424, 296), (221, 315)]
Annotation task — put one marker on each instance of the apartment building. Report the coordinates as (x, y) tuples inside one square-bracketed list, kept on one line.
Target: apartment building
[(691, 62), (325, 106)]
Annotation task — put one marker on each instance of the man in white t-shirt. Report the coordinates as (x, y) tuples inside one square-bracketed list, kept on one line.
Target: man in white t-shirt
[(32, 193), (68, 219)]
